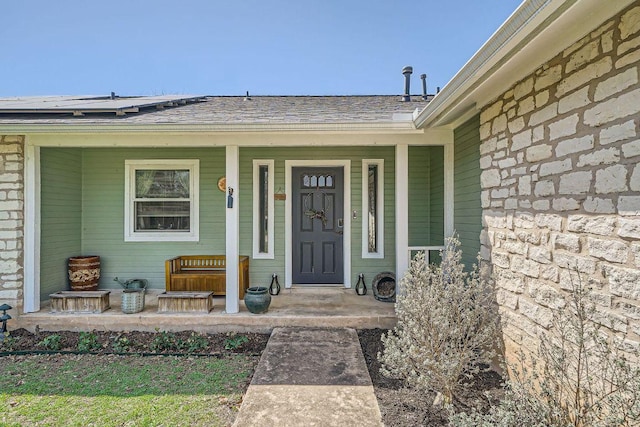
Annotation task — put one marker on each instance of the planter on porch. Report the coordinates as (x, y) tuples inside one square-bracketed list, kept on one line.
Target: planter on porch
[(257, 299), (84, 273), (384, 287)]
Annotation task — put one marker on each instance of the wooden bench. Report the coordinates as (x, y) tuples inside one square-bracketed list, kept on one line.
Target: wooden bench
[(203, 273)]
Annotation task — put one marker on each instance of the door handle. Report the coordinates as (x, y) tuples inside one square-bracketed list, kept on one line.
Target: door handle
[(340, 222)]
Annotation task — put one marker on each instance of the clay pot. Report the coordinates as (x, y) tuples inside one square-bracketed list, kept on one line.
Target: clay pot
[(84, 273), (257, 299)]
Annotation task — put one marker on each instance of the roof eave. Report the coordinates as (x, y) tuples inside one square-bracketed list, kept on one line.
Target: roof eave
[(49, 128), (516, 49)]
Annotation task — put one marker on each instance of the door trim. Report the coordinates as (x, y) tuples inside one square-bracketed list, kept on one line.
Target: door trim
[(288, 235)]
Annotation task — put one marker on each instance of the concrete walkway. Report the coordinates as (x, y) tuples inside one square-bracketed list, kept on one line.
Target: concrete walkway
[(311, 377)]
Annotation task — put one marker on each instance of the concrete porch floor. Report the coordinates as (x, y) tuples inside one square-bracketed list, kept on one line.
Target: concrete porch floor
[(325, 307)]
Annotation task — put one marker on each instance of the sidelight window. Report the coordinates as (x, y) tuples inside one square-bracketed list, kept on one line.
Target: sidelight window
[(263, 198), (373, 208)]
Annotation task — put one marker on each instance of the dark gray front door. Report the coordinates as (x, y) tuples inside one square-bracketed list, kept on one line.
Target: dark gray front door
[(317, 203)]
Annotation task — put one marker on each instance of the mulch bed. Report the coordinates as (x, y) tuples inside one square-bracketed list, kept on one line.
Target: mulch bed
[(403, 406), (135, 342)]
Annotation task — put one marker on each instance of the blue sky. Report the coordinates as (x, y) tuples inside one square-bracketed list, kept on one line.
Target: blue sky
[(268, 47)]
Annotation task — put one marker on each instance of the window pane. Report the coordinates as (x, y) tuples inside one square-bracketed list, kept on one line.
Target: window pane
[(263, 208), (162, 216), (372, 198), (164, 184)]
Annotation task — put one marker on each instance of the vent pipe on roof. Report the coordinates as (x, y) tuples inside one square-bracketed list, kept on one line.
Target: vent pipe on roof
[(423, 77), (247, 98), (407, 82), (113, 95)]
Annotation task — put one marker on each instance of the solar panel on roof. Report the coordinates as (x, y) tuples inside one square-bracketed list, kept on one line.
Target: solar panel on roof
[(79, 105)]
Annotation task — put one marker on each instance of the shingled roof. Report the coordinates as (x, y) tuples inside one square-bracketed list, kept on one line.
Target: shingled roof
[(233, 110)]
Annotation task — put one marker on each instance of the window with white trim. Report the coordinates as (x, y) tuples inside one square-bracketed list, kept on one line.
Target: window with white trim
[(161, 200), (373, 208), (263, 199)]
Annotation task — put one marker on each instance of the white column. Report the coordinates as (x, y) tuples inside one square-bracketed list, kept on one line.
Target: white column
[(448, 188), (232, 233), (402, 212), (31, 284)]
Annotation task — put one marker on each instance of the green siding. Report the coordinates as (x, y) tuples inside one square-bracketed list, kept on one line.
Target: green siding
[(426, 196), (61, 215), (103, 214), (468, 211), (261, 269)]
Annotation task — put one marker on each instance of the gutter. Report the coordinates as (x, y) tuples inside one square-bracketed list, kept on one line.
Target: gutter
[(530, 17), (405, 126)]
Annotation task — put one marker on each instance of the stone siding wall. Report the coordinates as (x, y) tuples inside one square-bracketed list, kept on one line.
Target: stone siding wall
[(11, 219), (560, 154)]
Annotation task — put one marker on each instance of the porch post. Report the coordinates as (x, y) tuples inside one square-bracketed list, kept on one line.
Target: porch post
[(31, 248), (402, 212), (448, 188), (232, 232)]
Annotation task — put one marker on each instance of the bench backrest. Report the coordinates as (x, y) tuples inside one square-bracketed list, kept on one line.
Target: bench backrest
[(200, 262)]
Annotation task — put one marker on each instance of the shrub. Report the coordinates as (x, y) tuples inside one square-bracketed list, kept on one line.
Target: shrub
[(122, 344), (447, 326), (51, 342), (193, 344), (234, 342), (88, 341), (579, 376), (163, 341)]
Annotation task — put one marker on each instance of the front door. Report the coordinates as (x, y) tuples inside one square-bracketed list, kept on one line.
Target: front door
[(318, 224)]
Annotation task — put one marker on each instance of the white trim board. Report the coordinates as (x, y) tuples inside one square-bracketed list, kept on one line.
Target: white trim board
[(288, 235)]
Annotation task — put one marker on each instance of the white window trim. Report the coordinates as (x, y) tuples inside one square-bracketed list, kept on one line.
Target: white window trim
[(129, 191), (256, 209), (365, 208)]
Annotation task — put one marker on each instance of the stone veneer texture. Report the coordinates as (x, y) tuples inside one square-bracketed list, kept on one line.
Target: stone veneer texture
[(11, 219), (560, 156)]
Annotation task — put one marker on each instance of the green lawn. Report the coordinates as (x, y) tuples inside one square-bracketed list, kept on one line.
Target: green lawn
[(86, 390)]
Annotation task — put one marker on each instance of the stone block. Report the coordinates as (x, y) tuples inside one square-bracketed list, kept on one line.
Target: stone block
[(598, 205), (523, 220), (540, 254), (546, 295), (613, 109), (575, 100), (521, 140), (603, 225), (575, 183), (632, 57), (631, 149), (574, 262), (511, 203), (491, 112), (555, 167), (507, 163), (600, 157), (611, 180), (524, 185), (500, 259), (623, 282), (549, 272), (606, 41), (574, 145), (544, 115), (9, 266), (631, 311), (563, 127), (516, 125), (564, 204), (592, 71), (616, 84), (543, 316), (635, 250), (501, 193), (514, 247), (610, 250), (541, 205), (488, 146), (618, 132), (490, 178), (629, 205), (548, 77), (538, 152), (542, 98), (499, 124), (506, 299), (634, 181), (550, 221), (567, 242), (526, 105), (523, 88), (629, 227), (544, 188), (520, 264), (485, 162), (583, 56), (630, 23)]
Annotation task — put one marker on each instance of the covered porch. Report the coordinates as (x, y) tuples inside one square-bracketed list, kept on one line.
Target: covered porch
[(297, 307)]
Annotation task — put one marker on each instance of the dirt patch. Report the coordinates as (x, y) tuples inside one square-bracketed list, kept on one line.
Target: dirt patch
[(403, 406)]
